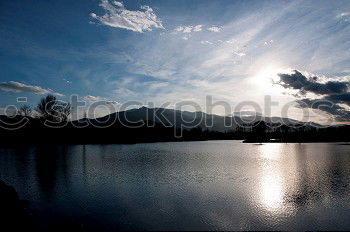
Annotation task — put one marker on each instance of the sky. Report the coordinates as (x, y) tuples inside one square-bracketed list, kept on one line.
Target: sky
[(170, 51)]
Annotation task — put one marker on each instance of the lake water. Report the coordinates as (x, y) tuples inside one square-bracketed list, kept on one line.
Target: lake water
[(210, 185)]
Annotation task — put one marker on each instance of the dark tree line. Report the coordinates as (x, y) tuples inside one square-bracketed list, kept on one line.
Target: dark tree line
[(87, 131), (49, 108)]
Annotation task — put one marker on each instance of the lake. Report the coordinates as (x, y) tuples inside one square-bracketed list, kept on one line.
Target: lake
[(209, 185)]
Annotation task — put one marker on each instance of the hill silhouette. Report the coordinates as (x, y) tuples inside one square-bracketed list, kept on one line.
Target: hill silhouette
[(158, 124), (186, 119)]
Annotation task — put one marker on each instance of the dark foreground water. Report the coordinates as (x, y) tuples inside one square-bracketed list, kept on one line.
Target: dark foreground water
[(216, 185)]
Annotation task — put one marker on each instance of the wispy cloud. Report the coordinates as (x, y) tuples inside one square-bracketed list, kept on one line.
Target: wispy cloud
[(268, 42), (14, 86), (206, 42), (158, 85), (343, 14), (239, 53), (196, 28), (90, 98), (189, 29), (228, 55), (186, 37), (118, 16), (214, 29)]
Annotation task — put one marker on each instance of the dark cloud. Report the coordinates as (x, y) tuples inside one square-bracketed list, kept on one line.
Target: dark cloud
[(339, 98), (13, 86), (339, 112), (305, 84), (333, 93)]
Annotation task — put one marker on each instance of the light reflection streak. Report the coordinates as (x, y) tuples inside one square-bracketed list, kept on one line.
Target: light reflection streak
[(271, 186)]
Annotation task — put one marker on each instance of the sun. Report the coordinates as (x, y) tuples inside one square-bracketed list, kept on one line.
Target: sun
[(266, 78), (270, 73)]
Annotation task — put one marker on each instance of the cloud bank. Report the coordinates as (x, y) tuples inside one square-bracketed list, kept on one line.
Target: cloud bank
[(339, 113), (333, 98), (17, 87), (118, 16), (305, 84)]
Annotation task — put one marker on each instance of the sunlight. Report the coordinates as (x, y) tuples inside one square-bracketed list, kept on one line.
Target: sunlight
[(267, 76), (271, 187), (269, 73), (271, 151), (271, 190)]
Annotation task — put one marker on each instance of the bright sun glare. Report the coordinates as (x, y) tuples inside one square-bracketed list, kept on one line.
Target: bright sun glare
[(267, 76)]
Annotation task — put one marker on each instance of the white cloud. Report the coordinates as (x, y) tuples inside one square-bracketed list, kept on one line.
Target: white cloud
[(110, 102), (268, 42), (206, 42), (197, 28), (158, 85), (118, 16), (91, 98), (186, 37), (239, 53), (214, 29), (118, 4), (189, 29), (14, 86), (179, 29), (230, 41), (343, 14), (194, 70)]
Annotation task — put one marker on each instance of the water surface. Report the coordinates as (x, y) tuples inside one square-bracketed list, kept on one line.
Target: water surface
[(211, 185)]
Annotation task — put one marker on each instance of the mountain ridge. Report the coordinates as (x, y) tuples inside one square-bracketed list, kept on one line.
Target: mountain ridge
[(188, 119)]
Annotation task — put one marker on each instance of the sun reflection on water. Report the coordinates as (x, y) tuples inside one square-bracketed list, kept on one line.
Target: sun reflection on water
[(271, 191), (271, 187)]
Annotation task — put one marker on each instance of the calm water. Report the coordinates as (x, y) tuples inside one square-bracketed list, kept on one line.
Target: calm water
[(216, 185)]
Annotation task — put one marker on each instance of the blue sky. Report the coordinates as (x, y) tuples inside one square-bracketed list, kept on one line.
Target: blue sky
[(163, 51)]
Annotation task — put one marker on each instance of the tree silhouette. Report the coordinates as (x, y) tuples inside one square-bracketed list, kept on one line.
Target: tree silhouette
[(259, 128), (49, 108), (25, 111)]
